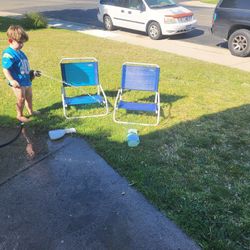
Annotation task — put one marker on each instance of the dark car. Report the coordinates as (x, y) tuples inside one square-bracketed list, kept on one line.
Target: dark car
[(231, 21)]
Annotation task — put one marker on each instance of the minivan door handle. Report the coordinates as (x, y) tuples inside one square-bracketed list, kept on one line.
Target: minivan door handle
[(129, 12), (122, 11)]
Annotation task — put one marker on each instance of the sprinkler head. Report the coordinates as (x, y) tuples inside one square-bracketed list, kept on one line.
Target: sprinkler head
[(34, 73)]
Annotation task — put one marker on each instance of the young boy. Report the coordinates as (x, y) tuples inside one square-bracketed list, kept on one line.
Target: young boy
[(17, 71)]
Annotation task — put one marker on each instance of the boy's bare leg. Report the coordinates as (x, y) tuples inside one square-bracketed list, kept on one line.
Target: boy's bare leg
[(28, 101), (20, 96)]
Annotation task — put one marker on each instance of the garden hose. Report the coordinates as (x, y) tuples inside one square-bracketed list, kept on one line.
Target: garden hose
[(20, 127)]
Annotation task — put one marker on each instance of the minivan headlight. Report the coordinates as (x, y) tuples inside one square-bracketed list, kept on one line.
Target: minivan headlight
[(169, 20)]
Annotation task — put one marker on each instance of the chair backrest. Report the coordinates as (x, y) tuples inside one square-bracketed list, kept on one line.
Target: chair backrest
[(80, 73), (140, 76)]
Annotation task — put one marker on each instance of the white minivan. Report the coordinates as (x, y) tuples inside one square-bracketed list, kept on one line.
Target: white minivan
[(155, 17)]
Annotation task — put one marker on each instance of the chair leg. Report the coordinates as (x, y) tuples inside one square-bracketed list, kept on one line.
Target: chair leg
[(105, 100), (115, 105)]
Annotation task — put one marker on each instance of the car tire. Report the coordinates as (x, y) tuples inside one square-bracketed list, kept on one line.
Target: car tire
[(154, 31), (239, 43), (108, 24)]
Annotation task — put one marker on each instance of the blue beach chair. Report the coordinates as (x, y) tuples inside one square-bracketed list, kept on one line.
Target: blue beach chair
[(82, 73), (138, 77)]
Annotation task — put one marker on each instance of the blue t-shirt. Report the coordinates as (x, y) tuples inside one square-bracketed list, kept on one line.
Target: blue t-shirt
[(17, 63)]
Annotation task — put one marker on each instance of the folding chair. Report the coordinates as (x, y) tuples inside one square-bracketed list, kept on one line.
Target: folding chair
[(138, 77), (82, 73)]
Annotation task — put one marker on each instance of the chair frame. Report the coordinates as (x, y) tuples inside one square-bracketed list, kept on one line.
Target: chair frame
[(156, 101), (100, 90)]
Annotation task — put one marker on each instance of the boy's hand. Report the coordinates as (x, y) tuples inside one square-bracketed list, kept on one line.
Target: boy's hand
[(14, 84), (34, 73)]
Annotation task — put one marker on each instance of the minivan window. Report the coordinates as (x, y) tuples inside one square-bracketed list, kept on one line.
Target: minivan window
[(158, 4), (135, 4), (237, 4), (119, 3)]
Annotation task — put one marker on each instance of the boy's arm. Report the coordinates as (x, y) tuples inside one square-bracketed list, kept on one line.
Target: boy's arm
[(9, 77)]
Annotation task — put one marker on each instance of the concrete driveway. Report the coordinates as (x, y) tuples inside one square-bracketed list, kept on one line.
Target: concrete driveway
[(70, 198)]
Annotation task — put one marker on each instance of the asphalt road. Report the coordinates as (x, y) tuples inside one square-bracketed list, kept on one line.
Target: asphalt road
[(85, 12), (23, 6)]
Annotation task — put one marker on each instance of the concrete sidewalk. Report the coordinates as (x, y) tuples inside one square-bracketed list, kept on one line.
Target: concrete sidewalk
[(73, 199)]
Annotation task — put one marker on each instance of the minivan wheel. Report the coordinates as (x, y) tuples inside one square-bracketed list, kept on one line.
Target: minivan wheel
[(239, 43), (108, 24), (154, 31)]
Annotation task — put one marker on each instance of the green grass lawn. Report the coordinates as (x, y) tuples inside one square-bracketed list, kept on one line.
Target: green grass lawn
[(210, 1), (194, 166)]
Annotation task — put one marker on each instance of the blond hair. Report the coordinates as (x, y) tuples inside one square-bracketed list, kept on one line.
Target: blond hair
[(17, 33)]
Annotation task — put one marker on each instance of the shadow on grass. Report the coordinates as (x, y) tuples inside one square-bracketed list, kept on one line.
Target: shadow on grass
[(5, 22), (57, 105), (197, 173), (166, 100), (8, 121), (166, 103), (111, 93)]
